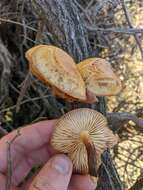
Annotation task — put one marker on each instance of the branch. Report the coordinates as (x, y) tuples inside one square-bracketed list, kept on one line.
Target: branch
[(23, 25), (24, 102), (117, 119), (131, 26), (128, 30), (17, 23), (25, 86)]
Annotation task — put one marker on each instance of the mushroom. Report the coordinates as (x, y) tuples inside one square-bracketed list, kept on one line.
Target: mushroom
[(90, 78), (99, 78), (58, 70), (83, 135)]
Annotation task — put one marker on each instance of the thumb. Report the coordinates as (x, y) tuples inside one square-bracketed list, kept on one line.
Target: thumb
[(55, 174)]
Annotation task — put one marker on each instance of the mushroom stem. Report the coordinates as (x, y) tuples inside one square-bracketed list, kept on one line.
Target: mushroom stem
[(91, 152)]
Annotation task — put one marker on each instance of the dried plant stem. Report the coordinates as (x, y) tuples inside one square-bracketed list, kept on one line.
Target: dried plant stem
[(22, 25), (117, 119), (25, 85), (89, 4), (128, 30), (17, 23), (26, 96), (25, 101), (9, 162)]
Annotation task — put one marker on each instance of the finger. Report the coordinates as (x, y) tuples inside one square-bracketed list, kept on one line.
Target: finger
[(31, 138), (79, 182), (28, 182), (55, 175), (36, 158), (3, 183)]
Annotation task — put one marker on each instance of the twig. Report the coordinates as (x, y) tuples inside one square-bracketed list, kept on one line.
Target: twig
[(89, 4), (117, 119), (116, 30), (26, 96), (20, 24), (9, 162), (23, 102), (83, 10), (17, 23), (131, 26), (25, 85)]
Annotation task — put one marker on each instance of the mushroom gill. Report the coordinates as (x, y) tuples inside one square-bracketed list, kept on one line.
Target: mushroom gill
[(83, 135)]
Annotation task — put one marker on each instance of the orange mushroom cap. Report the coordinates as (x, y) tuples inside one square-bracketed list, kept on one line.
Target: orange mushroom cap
[(56, 68), (100, 80)]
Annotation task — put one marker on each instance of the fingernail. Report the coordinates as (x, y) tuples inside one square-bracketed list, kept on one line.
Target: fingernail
[(94, 180), (61, 164)]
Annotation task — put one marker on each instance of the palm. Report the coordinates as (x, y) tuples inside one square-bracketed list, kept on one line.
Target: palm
[(29, 149)]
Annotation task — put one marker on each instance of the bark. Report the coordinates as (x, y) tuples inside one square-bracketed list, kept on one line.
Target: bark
[(5, 71)]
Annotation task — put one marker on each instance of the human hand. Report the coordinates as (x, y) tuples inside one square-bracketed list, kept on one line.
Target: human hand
[(32, 148)]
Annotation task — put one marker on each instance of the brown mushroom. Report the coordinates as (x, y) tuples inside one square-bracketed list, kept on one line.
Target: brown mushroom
[(58, 70), (92, 77), (83, 135), (100, 80)]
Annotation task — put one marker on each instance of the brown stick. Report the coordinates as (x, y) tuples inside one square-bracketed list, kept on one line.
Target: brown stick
[(26, 84), (128, 30), (117, 119)]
